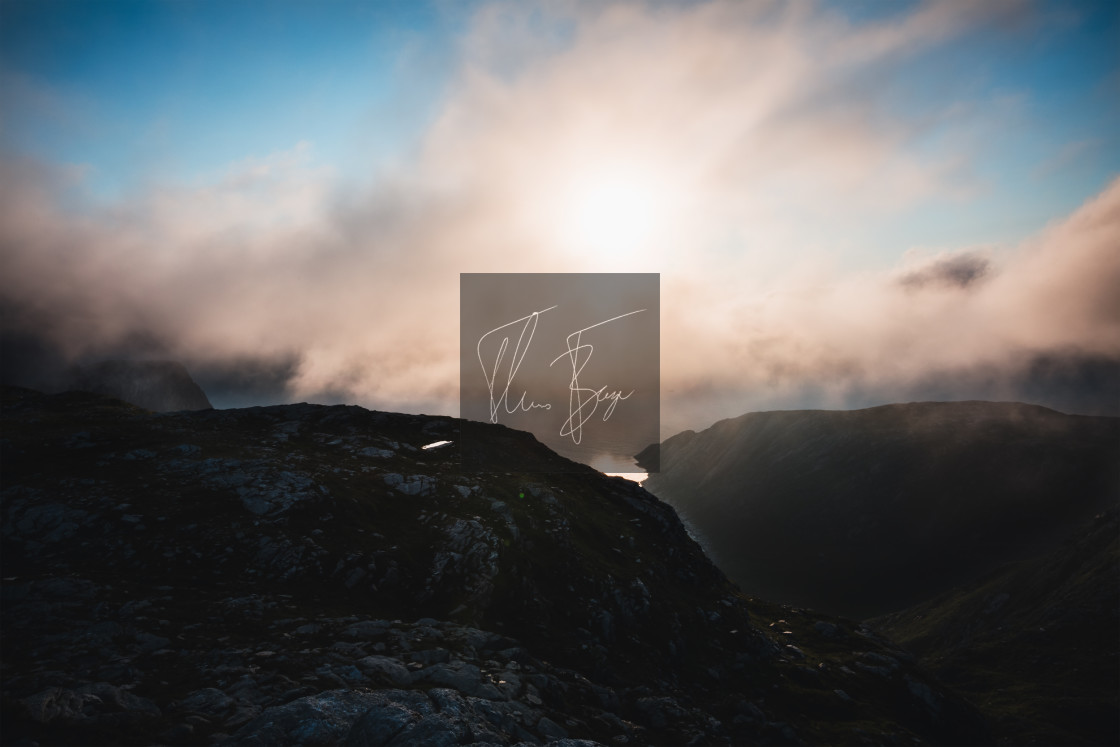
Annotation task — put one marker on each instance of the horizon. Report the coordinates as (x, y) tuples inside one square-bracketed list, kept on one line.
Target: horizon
[(850, 204)]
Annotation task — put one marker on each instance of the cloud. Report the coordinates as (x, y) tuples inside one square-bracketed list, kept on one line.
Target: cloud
[(1062, 288), (974, 321), (251, 268), (753, 115), (953, 271), (746, 138)]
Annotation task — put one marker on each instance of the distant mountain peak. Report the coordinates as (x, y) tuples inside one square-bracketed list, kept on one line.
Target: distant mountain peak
[(852, 511), (160, 386)]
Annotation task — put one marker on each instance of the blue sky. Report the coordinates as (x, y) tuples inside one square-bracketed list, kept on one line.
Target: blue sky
[(781, 164), (179, 89)]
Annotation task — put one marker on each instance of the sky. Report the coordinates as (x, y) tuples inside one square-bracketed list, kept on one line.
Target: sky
[(850, 203)]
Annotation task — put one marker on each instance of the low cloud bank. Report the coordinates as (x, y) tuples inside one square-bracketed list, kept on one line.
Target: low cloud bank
[(720, 142)]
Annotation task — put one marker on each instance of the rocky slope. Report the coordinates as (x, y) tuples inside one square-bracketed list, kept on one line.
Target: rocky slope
[(312, 575), (161, 386), (869, 511), (1035, 643)]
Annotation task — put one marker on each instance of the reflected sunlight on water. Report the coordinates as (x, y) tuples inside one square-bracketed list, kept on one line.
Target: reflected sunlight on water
[(608, 455), (637, 477)]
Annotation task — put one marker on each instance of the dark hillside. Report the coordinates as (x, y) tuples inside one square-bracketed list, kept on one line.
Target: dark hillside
[(1036, 644), (311, 575), (865, 512)]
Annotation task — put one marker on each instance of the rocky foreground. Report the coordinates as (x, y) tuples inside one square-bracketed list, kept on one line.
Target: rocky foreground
[(311, 575)]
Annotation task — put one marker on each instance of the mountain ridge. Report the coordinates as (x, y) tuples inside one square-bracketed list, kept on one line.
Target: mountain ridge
[(309, 574), (1027, 633), (807, 506), (157, 385)]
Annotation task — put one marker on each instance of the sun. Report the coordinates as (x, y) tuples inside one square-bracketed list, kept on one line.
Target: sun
[(612, 214)]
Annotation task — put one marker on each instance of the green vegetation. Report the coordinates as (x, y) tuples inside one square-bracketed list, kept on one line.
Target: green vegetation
[(1035, 643)]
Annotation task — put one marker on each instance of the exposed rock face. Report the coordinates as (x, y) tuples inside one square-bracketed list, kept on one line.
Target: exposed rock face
[(160, 386), (869, 511), (310, 575)]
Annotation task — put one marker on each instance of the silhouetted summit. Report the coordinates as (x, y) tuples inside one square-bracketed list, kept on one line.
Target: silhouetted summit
[(160, 386)]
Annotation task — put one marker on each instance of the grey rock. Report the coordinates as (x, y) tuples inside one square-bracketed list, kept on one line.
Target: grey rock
[(121, 698), (367, 629), (278, 494), (79, 440), (102, 633), (179, 733), (549, 729), (149, 642), (86, 704), (431, 656), (59, 703), (876, 663), (51, 522), (67, 588), (244, 713), (659, 712), (380, 723), (351, 673), (208, 700), (436, 730), (827, 629), (509, 684), (411, 485), (322, 719), (925, 694), (309, 629), (464, 677)]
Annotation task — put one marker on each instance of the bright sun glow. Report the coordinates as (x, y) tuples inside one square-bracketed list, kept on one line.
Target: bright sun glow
[(613, 214)]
